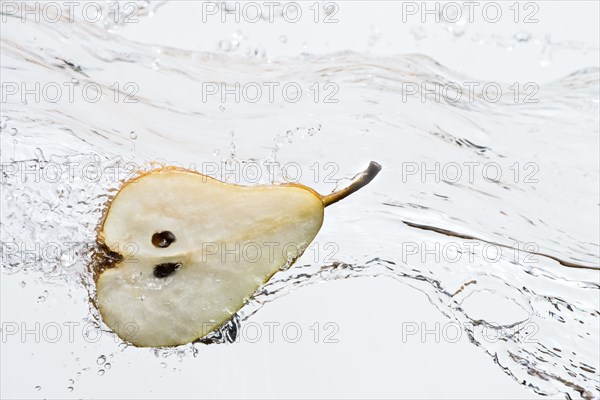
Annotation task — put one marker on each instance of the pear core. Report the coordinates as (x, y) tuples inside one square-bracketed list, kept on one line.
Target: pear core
[(192, 250)]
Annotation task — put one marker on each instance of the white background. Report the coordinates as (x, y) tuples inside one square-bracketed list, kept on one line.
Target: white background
[(370, 359)]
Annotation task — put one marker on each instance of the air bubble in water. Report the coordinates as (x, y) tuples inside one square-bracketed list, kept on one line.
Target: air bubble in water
[(71, 381), (22, 284), (13, 132), (133, 137), (163, 365), (101, 360), (70, 388), (37, 388), (107, 366), (100, 372)]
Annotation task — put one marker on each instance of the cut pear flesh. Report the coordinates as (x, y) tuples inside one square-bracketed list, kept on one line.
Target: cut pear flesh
[(192, 250)]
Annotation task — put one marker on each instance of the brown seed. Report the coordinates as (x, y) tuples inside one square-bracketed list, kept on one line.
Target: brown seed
[(166, 269), (163, 239)]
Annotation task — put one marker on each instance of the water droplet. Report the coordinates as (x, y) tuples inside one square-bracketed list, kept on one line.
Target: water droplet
[(374, 37), (544, 63), (163, 365), (70, 388), (457, 30), (546, 57), (41, 299), (419, 33), (225, 45), (133, 135), (522, 36), (22, 284), (13, 132), (71, 381), (37, 388), (101, 360), (100, 372), (229, 45), (107, 366), (39, 154)]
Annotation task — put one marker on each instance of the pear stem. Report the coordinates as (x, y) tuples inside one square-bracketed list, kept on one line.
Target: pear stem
[(358, 182)]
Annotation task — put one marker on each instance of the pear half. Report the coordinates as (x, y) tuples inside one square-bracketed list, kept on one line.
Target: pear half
[(184, 252)]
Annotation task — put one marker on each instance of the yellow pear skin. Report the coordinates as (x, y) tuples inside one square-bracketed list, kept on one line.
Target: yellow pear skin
[(188, 251)]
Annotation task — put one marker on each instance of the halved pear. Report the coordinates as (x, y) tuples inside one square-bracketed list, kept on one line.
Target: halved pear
[(187, 251)]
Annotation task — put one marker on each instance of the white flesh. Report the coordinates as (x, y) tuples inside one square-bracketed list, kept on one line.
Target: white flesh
[(229, 239)]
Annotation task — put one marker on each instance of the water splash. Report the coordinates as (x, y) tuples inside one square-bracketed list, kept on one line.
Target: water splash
[(63, 161)]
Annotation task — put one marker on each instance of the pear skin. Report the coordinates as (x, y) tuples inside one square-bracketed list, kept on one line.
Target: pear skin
[(184, 252)]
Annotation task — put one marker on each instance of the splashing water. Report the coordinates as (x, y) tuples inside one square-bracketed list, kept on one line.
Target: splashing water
[(63, 160)]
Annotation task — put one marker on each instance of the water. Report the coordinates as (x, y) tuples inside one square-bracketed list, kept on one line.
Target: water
[(517, 252)]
